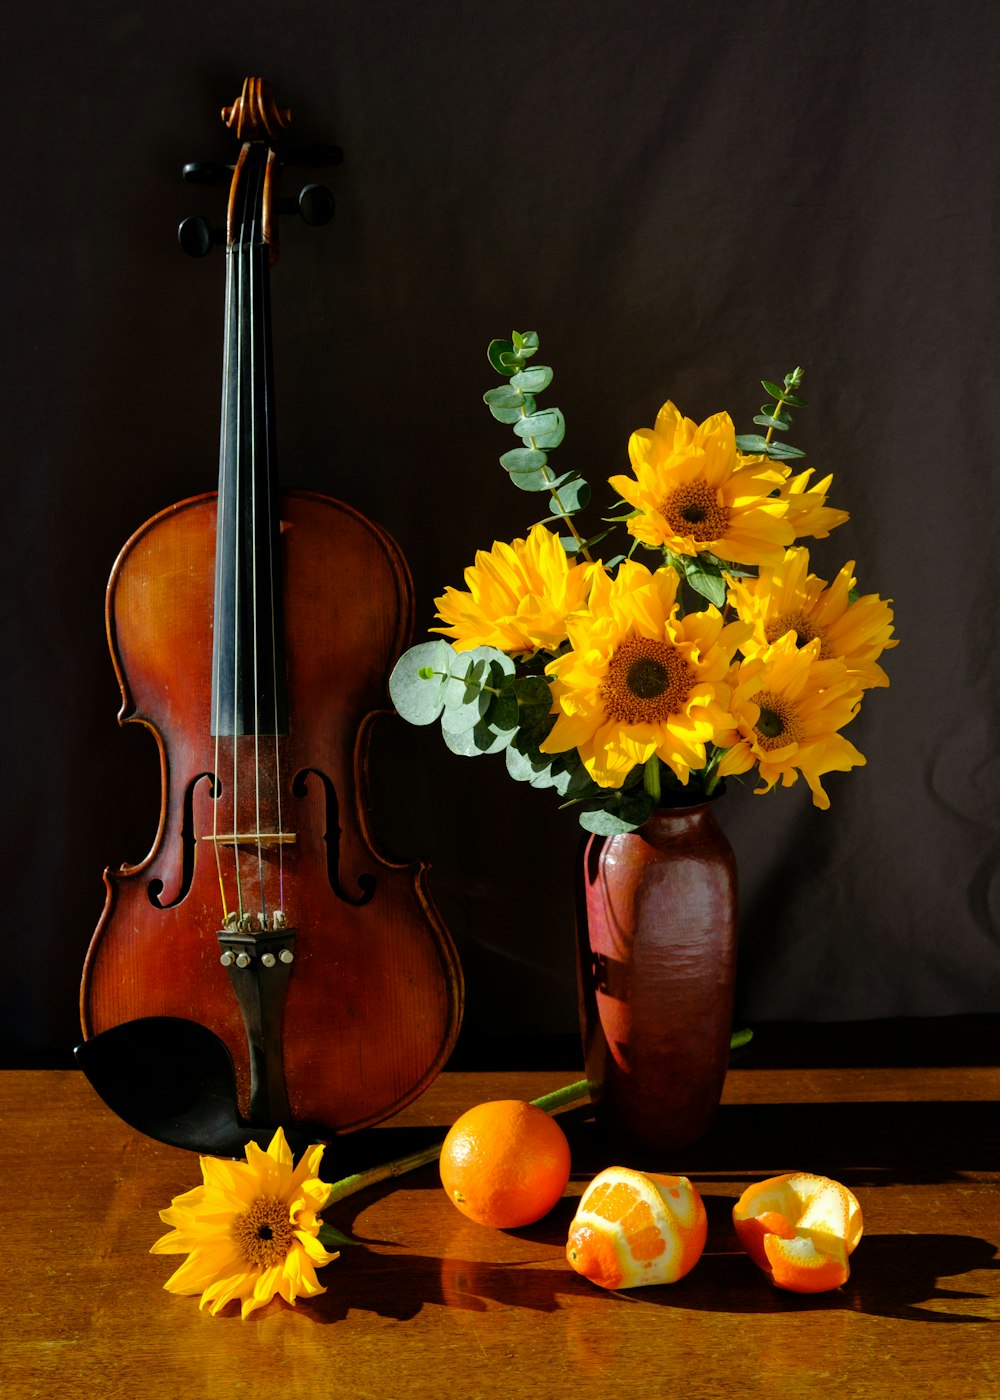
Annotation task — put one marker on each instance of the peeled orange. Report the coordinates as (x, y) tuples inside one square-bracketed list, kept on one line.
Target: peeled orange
[(800, 1229), (633, 1228), (505, 1163)]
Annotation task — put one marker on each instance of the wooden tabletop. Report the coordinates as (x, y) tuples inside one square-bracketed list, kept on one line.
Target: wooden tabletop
[(435, 1306)]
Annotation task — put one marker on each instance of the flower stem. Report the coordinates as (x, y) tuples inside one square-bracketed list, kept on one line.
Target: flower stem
[(559, 1098), (651, 777)]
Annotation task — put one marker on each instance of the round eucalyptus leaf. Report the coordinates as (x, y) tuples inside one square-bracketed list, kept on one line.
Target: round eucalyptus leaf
[(419, 699), (545, 428), (523, 459), (495, 350), (474, 742), (533, 380)]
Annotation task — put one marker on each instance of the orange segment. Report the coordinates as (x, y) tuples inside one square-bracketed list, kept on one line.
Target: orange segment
[(633, 1228), (800, 1229)]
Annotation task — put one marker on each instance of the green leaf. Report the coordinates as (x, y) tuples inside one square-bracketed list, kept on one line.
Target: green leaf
[(751, 442), (780, 392), (511, 361), (623, 811), (419, 699), (706, 582), (754, 443), (526, 342), (504, 713), (332, 1239), (508, 405), (523, 459), (527, 768), (475, 742), (531, 481), (466, 697), (495, 350), (546, 429), (573, 496), (604, 823), (783, 451), (534, 380)]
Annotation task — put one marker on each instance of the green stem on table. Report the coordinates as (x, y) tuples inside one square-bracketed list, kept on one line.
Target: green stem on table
[(559, 1098)]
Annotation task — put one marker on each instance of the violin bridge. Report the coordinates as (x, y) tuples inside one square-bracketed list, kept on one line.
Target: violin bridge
[(253, 838)]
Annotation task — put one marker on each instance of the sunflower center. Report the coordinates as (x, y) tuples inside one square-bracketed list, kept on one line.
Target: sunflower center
[(263, 1232), (777, 724), (647, 681), (695, 509), (803, 628)]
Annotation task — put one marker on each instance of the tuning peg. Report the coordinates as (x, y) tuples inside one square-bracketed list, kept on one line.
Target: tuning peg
[(197, 237), (206, 172), (313, 202), (316, 205)]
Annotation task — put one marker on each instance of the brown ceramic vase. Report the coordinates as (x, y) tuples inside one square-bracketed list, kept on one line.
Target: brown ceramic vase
[(657, 930)]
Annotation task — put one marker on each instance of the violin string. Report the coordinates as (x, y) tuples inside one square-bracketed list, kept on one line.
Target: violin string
[(237, 462), (255, 245), (273, 512), (220, 548)]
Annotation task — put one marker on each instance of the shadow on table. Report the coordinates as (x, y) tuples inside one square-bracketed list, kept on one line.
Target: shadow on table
[(909, 1142), (894, 1276)]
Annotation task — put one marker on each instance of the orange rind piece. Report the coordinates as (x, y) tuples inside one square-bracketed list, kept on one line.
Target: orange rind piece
[(633, 1228), (800, 1229)]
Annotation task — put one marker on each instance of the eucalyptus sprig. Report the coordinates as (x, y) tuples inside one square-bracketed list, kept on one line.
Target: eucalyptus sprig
[(775, 416), (540, 430)]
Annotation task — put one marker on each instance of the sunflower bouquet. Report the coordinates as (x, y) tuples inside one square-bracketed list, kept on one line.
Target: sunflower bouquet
[(625, 684)]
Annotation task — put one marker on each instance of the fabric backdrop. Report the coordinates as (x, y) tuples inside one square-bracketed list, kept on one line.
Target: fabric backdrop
[(681, 200)]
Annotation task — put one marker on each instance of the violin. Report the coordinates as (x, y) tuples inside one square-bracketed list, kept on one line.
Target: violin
[(252, 631)]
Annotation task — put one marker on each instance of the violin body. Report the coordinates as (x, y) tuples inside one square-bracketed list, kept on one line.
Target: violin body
[(264, 910)]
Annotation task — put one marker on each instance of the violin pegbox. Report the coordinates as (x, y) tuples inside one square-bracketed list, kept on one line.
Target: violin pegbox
[(256, 117)]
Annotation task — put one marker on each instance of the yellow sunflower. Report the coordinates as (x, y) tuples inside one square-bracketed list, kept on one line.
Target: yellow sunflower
[(640, 680), (696, 493), (518, 597), (791, 599), (805, 506), (789, 706), (250, 1230)]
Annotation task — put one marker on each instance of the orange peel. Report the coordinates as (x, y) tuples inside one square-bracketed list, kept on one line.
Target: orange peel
[(800, 1229), (633, 1228)]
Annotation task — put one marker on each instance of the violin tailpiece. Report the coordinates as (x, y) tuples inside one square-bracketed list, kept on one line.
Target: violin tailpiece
[(259, 966)]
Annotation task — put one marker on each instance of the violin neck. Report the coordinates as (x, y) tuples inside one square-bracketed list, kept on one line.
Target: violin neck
[(249, 694)]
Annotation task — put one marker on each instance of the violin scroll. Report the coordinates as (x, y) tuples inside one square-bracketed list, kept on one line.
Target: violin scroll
[(255, 116)]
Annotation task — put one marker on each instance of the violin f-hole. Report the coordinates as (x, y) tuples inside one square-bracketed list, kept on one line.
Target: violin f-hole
[(366, 883), (189, 844)]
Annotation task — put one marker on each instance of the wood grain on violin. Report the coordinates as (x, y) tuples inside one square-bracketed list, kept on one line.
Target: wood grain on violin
[(252, 631)]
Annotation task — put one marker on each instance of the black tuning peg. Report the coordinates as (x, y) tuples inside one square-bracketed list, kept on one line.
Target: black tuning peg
[(206, 172), (197, 237), (316, 205), (313, 202)]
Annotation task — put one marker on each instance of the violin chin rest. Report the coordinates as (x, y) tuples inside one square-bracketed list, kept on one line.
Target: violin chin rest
[(173, 1080)]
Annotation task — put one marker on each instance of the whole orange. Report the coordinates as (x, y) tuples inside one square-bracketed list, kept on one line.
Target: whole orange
[(505, 1163)]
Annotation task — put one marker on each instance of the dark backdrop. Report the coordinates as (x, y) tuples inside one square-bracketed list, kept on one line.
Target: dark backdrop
[(680, 199)]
